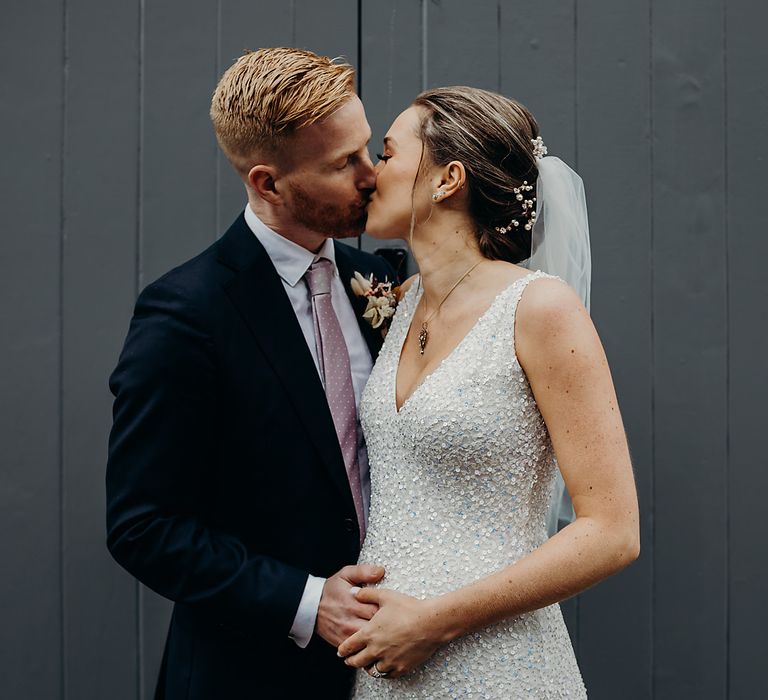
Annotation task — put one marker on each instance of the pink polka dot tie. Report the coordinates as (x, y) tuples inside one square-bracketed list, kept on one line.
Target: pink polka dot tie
[(334, 367)]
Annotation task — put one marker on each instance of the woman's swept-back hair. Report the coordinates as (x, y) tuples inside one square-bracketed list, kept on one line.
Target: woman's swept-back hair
[(491, 136), (266, 95)]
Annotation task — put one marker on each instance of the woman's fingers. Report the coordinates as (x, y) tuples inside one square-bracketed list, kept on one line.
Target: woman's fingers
[(362, 659), (351, 645), (382, 667)]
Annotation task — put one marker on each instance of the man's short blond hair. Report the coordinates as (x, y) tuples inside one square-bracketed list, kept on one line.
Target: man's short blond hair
[(268, 94)]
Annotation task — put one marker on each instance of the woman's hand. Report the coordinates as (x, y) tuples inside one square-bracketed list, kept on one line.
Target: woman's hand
[(401, 636)]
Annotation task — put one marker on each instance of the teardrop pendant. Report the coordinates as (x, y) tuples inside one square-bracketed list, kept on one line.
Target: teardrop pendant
[(423, 338), (424, 333)]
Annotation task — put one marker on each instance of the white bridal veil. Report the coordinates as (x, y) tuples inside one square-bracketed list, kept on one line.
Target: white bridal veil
[(560, 246)]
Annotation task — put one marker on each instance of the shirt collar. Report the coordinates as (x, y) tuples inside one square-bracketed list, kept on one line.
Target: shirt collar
[(290, 260)]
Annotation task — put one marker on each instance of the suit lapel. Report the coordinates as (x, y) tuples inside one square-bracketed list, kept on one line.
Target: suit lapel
[(372, 336), (258, 294)]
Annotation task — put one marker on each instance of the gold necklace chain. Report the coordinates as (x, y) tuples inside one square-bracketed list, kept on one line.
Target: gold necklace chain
[(424, 333)]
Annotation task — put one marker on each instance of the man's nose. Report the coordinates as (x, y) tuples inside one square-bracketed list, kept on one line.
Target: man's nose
[(368, 181)]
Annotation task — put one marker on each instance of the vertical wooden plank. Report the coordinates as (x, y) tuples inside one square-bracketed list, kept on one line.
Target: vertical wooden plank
[(245, 24), (537, 45), (613, 124), (178, 187), (390, 72), (690, 336), (31, 68), (179, 148), (456, 56), (537, 57), (328, 28), (747, 222), (99, 280)]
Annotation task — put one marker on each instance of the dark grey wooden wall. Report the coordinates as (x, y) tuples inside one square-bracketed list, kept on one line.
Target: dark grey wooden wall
[(110, 176)]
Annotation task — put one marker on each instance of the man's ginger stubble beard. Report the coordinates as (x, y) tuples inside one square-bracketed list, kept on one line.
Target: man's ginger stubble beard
[(328, 219)]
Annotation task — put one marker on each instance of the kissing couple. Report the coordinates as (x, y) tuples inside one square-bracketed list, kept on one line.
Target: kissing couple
[(338, 513)]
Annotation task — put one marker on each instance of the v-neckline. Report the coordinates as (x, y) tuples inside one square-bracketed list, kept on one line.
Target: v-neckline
[(453, 351)]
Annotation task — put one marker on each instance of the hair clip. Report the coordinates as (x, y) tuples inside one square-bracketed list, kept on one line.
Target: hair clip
[(529, 212), (539, 149)]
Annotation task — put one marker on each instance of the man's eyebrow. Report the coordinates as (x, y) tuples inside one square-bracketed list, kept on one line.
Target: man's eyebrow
[(348, 153), (365, 145)]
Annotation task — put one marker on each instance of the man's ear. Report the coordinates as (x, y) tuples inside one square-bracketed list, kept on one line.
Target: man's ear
[(263, 181)]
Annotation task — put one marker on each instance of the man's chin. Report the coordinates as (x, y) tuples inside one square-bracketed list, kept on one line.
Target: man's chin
[(353, 231)]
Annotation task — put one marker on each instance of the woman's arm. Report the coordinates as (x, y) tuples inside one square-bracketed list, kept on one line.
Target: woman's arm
[(562, 356)]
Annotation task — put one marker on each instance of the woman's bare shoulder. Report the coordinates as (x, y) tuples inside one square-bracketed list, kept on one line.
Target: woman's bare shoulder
[(551, 317), (548, 300)]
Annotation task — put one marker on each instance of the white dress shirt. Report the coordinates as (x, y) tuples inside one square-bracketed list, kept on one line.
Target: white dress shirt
[(291, 262)]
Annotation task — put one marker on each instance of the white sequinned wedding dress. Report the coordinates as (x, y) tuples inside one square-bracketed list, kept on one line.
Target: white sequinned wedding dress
[(460, 484)]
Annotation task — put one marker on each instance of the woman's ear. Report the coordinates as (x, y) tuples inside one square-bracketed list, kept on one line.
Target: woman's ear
[(452, 178)]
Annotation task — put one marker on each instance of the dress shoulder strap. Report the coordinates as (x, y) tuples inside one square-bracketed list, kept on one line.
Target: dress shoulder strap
[(519, 286), (516, 293)]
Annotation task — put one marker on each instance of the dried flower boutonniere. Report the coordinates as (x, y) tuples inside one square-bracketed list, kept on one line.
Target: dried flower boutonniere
[(382, 300)]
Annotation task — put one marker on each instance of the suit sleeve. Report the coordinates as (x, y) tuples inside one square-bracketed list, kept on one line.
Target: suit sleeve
[(161, 447)]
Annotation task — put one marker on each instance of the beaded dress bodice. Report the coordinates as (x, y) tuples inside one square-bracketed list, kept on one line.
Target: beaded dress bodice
[(460, 482)]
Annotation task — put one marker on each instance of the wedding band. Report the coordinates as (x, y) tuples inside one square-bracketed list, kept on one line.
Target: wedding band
[(376, 673)]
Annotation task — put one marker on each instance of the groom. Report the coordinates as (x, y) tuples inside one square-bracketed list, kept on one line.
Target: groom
[(237, 482)]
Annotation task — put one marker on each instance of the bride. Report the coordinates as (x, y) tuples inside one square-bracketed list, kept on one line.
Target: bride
[(491, 378)]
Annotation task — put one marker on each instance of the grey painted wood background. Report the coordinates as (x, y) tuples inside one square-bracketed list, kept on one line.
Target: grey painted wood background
[(110, 176)]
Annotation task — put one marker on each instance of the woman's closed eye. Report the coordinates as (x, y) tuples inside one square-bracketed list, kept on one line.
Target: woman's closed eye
[(383, 158)]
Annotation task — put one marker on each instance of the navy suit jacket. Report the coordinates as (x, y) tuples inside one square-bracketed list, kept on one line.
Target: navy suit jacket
[(225, 481)]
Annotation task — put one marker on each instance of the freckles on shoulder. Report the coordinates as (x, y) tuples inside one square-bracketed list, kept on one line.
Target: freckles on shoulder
[(555, 339), (548, 308)]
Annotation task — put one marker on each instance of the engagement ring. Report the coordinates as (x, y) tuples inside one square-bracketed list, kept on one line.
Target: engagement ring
[(376, 673)]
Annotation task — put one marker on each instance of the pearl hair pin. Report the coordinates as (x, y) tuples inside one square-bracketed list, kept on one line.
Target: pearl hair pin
[(529, 212)]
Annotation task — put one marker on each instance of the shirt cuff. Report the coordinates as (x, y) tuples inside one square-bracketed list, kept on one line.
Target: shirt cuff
[(304, 623)]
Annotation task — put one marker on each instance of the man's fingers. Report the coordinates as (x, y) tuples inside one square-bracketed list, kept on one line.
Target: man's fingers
[(363, 573), (371, 573), (370, 595), (365, 612)]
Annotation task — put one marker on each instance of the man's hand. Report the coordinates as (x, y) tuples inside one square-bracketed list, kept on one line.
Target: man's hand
[(340, 615), (402, 635)]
